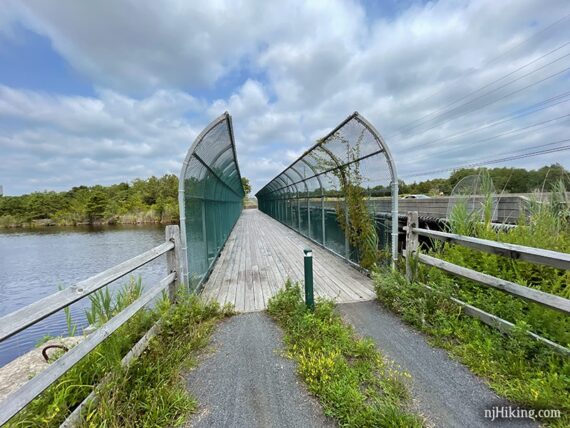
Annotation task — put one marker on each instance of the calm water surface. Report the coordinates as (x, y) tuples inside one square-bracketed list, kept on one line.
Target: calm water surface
[(34, 263)]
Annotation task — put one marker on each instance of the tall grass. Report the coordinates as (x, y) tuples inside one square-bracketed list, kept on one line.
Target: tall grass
[(516, 366), (55, 403), (355, 384), (547, 227), (151, 391), (104, 306)]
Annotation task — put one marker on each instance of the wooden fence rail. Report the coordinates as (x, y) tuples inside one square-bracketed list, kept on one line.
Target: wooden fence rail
[(31, 314), (517, 252)]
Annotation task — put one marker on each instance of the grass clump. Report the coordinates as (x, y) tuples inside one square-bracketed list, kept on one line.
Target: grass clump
[(147, 393), (547, 227), (58, 401), (354, 383), (151, 391), (516, 366)]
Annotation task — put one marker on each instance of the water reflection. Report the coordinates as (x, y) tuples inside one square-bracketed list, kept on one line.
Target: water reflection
[(35, 262)]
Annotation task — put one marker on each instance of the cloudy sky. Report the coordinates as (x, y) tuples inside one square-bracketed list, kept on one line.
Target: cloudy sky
[(107, 91)]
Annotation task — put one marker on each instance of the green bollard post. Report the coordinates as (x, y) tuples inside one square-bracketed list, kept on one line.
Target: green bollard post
[(309, 297)]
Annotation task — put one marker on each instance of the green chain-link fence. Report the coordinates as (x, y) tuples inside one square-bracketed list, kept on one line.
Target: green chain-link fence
[(211, 199), (318, 194)]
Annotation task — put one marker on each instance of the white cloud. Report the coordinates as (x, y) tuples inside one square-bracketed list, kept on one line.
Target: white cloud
[(64, 141), (301, 68)]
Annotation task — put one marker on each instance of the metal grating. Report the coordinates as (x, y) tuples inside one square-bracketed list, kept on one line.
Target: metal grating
[(307, 196), (210, 198)]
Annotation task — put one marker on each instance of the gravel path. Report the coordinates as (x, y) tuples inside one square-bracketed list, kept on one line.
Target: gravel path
[(247, 383), (444, 391)]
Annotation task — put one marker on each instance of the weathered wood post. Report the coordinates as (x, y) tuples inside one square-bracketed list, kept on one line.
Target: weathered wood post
[(412, 243), (173, 260)]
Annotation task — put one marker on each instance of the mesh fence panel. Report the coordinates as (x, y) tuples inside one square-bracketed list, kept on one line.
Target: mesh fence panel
[(211, 199), (309, 195)]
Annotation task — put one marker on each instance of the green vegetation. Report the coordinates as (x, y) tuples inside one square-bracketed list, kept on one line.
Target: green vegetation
[(352, 211), (154, 200), (354, 218), (149, 392), (354, 383), (246, 186), (516, 366), (507, 180), (247, 201), (53, 405)]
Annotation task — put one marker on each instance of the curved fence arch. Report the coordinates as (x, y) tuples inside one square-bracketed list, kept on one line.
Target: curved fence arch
[(210, 199), (310, 195)]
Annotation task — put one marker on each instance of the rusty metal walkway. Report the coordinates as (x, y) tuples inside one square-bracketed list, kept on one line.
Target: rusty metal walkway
[(261, 254)]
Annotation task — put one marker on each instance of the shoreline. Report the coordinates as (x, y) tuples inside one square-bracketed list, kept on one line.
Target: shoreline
[(47, 223)]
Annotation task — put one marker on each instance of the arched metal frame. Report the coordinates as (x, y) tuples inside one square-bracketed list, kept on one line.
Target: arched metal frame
[(210, 196), (355, 144)]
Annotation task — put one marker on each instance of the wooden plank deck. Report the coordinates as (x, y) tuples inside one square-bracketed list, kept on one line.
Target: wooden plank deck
[(261, 254)]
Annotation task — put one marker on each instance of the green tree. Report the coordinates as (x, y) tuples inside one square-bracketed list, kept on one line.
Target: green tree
[(246, 186), (96, 206)]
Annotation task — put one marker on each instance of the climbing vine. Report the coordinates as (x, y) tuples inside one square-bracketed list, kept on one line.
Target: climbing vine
[(353, 215)]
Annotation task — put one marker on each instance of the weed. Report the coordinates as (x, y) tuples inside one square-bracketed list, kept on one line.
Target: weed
[(55, 403), (547, 227), (149, 392), (354, 383), (516, 367)]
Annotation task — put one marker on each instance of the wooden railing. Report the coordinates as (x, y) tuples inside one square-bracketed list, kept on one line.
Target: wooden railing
[(31, 314), (517, 252)]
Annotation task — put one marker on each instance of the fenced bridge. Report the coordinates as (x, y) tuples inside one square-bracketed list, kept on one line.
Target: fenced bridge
[(244, 257)]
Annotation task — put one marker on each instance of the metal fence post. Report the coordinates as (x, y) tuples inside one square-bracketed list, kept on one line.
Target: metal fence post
[(299, 213), (412, 243), (395, 221), (346, 231), (309, 296), (172, 233), (205, 235), (308, 216), (323, 219)]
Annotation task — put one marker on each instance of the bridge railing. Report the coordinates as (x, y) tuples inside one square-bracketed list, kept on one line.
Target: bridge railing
[(518, 252), (210, 197), (35, 312), (315, 195)]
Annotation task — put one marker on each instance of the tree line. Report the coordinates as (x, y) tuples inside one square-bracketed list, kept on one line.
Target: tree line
[(154, 200), (505, 180)]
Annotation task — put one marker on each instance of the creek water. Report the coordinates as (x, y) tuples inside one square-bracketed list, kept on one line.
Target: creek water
[(35, 263)]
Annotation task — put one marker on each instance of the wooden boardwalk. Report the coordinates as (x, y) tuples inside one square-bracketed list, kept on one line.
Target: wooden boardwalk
[(261, 254)]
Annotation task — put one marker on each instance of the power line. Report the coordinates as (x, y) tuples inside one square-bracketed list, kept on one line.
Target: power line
[(446, 113), (504, 159), (527, 111), (444, 110), (505, 53), (518, 130), (486, 86), (498, 99), (528, 39), (508, 95), (510, 132)]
